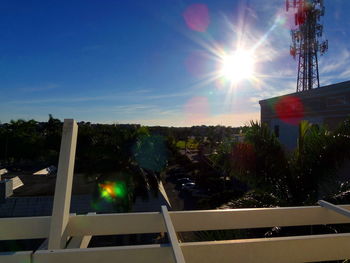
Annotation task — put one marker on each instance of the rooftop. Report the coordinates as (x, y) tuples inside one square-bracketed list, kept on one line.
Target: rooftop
[(321, 91)]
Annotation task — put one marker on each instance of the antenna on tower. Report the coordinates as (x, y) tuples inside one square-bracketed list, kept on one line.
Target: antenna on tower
[(306, 40)]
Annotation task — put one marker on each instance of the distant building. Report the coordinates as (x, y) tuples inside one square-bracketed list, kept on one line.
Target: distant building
[(328, 105)]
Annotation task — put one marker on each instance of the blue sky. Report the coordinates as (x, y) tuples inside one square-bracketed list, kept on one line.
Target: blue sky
[(143, 62)]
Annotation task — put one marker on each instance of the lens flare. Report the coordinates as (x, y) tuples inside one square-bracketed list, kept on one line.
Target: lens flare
[(112, 190), (150, 152), (290, 109), (197, 17), (243, 156)]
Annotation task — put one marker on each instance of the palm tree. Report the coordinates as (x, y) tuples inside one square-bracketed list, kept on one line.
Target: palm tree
[(297, 178), (316, 161)]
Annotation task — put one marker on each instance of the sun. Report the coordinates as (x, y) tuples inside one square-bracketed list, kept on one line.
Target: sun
[(238, 65)]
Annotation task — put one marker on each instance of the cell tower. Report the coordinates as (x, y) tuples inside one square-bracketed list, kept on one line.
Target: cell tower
[(306, 40)]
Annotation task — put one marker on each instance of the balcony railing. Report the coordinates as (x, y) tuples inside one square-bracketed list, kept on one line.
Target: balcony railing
[(78, 229)]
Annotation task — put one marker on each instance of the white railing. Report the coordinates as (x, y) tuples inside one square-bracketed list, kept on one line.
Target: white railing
[(61, 225)]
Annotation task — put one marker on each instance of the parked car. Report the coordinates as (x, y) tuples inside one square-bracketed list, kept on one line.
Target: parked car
[(175, 173), (188, 186), (184, 180), (181, 181)]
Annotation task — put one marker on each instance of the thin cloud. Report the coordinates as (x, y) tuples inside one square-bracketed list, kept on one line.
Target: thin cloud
[(112, 97), (31, 89), (346, 73), (335, 64)]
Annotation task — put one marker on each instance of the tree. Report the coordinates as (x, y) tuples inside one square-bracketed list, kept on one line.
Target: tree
[(125, 156), (297, 178), (23, 141), (52, 131)]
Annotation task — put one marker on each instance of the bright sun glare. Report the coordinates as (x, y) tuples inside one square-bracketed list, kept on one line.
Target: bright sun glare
[(238, 65)]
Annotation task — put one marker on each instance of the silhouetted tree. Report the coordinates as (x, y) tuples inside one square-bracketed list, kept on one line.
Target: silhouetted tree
[(297, 178)]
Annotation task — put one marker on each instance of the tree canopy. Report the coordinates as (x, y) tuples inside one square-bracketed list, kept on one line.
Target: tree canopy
[(299, 177)]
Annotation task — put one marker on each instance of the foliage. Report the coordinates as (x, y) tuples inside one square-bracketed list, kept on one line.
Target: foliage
[(220, 159), (22, 140), (217, 199), (296, 178), (260, 161), (216, 235), (189, 144), (123, 153), (254, 199), (315, 162)]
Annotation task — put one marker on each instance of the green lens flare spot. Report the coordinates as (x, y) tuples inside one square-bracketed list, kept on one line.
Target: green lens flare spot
[(112, 190), (120, 190)]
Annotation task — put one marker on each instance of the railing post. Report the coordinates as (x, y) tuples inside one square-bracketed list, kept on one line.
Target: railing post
[(179, 258), (80, 241), (63, 188), (334, 208)]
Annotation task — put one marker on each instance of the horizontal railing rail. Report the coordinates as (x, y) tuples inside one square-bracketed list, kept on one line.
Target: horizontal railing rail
[(312, 248), (24, 227), (152, 222), (255, 218), (284, 249)]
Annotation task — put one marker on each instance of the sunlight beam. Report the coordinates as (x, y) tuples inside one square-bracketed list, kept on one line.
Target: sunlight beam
[(238, 65)]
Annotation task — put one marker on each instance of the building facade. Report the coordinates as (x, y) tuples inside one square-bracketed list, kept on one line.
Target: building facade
[(327, 105)]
